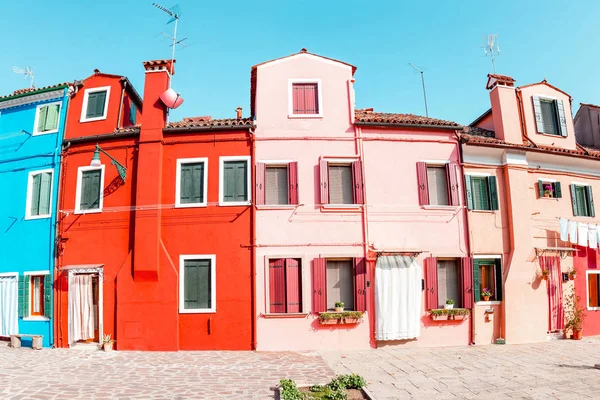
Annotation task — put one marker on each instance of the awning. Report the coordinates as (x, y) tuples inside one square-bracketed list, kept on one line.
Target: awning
[(563, 251), (81, 266)]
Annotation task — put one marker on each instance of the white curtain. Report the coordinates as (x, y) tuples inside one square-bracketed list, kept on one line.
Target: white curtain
[(9, 310), (81, 308), (397, 298)]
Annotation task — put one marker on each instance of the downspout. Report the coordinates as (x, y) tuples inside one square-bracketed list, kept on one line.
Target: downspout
[(253, 238), (124, 84), (522, 118)]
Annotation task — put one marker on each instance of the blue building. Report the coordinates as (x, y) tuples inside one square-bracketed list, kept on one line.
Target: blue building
[(32, 123)]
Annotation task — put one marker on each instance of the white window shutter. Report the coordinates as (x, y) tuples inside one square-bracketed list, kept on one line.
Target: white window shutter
[(539, 120), (562, 120)]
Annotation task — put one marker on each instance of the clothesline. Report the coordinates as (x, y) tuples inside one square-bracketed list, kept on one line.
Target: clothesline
[(579, 233)]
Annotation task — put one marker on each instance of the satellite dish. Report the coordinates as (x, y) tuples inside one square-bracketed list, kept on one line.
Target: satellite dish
[(171, 99)]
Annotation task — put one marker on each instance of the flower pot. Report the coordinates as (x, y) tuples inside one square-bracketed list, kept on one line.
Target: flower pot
[(108, 346), (329, 321), (486, 298), (448, 306), (571, 277), (545, 277), (439, 317), (577, 334), (351, 320), (338, 309), (547, 195)]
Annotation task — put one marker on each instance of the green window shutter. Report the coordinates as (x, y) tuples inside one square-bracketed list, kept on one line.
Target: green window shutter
[(91, 106), (52, 117), (574, 200), (48, 296), (590, 201), (95, 106), (541, 188), (235, 181), (185, 184), (241, 179), (198, 182), (549, 117), (45, 185), (539, 119), (562, 120), (197, 284), (35, 194), (469, 190), (476, 281), (498, 279), (228, 182), (192, 183), (42, 119), (481, 197), (100, 99), (557, 190), (24, 283), (493, 191), (90, 190), (132, 113)]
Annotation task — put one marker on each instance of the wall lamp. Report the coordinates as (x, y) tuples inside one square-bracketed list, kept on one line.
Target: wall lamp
[(96, 162)]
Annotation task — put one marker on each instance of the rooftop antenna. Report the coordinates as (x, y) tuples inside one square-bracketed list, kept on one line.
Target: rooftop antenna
[(27, 73), (174, 13), (492, 48), (423, 83)]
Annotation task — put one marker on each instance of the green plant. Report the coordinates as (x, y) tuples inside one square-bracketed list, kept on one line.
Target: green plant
[(449, 301), (106, 339), (289, 391), (339, 304), (486, 292), (572, 273), (545, 273), (326, 316), (460, 311), (352, 381), (574, 312), (316, 388)]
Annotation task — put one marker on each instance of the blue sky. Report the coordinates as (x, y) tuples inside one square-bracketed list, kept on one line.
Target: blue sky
[(65, 40)]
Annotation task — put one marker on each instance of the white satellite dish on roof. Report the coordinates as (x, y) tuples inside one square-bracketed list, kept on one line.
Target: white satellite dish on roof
[(171, 98)]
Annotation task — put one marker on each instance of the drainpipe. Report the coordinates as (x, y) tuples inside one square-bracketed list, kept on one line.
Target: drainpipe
[(253, 237), (124, 84), (522, 118)]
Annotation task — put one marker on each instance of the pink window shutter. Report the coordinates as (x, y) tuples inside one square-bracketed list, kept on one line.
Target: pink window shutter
[(293, 282), (453, 193), (422, 183), (359, 187), (467, 282), (260, 183), (298, 99), (319, 285), (310, 98), (431, 293), (360, 284), (276, 286), (324, 171), (293, 182), (555, 298)]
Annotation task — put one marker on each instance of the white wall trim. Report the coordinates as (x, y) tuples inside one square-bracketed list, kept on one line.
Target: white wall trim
[(304, 55), (213, 283), (80, 171), (180, 162), (436, 162), (20, 101), (291, 100), (515, 158), (487, 256), (4, 274), (276, 162), (222, 161), (86, 95), (587, 289), (579, 183), (481, 174), (37, 117), (546, 97), (36, 273), (547, 180), (30, 176)]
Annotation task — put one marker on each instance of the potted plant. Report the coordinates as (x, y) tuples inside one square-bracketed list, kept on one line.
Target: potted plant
[(545, 274), (486, 294), (574, 315), (449, 304), (547, 190), (107, 343), (572, 274), (339, 306), (438, 314)]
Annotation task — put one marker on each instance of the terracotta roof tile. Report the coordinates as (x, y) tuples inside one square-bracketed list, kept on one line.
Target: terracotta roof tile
[(129, 129), (32, 90), (192, 123), (501, 77), (368, 116), (477, 131)]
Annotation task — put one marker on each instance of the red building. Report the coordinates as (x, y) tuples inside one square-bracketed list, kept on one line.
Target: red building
[(154, 240)]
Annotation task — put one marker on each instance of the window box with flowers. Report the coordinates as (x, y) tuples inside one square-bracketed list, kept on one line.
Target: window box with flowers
[(445, 314), (549, 190), (486, 293), (340, 318)]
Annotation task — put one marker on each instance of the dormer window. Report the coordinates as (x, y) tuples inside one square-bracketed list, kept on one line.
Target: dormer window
[(550, 116), (305, 99), (95, 104)]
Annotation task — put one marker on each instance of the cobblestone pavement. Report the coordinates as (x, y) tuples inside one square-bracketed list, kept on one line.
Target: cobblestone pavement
[(92, 374), (557, 369)]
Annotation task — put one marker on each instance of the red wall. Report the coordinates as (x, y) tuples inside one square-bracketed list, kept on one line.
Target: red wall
[(586, 259)]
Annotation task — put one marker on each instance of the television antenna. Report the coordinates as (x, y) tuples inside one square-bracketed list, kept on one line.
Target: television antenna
[(27, 73), (492, 48), (423, 83), (174, 13)]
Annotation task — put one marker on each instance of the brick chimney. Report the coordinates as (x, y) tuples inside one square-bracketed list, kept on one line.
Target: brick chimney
[(505, 108), (238, 112)]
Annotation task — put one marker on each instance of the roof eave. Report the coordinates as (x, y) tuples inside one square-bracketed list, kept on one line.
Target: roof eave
[(400, 125), (520, 148), (192, 129), (16, 96)]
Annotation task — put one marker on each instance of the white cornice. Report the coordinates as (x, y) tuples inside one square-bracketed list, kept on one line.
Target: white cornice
[(34, 98)]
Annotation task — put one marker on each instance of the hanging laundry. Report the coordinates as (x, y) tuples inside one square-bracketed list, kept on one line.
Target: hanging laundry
[(573, 232), (564, 229), (592, 236), (582, 234)]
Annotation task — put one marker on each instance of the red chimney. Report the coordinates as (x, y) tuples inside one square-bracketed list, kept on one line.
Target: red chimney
[(238, 112), (154, 113)]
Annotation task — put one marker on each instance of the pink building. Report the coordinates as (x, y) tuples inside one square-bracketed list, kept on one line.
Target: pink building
[(526, 176), (352, 206)]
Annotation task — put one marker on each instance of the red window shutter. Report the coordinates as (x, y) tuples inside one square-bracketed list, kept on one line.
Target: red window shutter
[(360, 284), (293, 182), (311, 99), (453, 193), (276, 286), (260, 183), (293, 285), (422, 182), (324, 170), (431, 293), (298, 99), (359, 187), (467, 282), (319, 285)]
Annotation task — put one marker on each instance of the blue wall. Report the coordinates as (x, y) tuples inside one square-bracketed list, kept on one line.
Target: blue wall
[(28, 245)]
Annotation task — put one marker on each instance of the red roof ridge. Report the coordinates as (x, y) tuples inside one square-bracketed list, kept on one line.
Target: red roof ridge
[(304, 51), (368, 116)]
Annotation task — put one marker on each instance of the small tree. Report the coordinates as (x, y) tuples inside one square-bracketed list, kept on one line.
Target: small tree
[(574, 311)]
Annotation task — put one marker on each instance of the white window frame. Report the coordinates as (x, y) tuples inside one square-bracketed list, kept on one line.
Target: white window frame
[(86, 95), (80, 172), (305, 308), (587, 290), (28, 215), (291, 98), (222, 161), (37, 118), (213, 283), (30, 274), (180, 162)]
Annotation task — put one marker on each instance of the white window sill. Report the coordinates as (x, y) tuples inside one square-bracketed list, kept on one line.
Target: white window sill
[(488, 303), (593, 308), (344, 206), (233, 203), (549, 198), (285, 315), (93, 119), (277, 206), (198, 311), (33, 217), (44, 133), (553, 135), (36, 319), (484, 211), (296, 116), (439, 207), (87, 211), (190, 205)]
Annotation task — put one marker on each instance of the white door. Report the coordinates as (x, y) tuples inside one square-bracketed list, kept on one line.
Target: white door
[(9, 309)]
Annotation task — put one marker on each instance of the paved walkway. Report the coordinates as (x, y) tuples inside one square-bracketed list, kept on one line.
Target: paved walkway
[(91, 374), (558, 369)]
